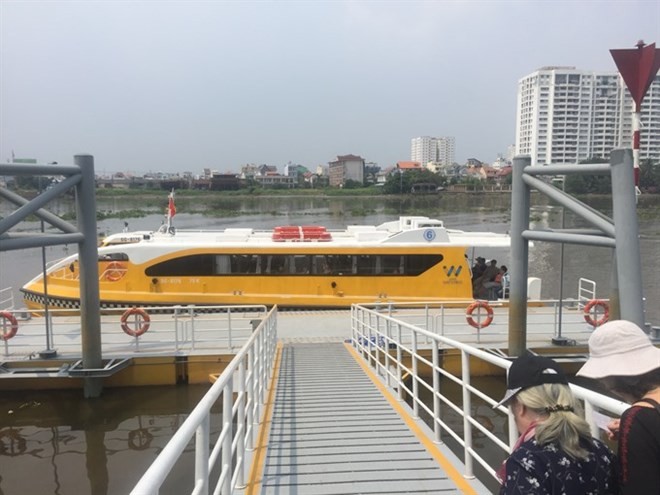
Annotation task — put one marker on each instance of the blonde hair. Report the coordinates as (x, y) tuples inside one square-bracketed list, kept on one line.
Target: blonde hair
[(563, 425)]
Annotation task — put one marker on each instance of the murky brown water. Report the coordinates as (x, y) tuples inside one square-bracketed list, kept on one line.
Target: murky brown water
[(57, 442)]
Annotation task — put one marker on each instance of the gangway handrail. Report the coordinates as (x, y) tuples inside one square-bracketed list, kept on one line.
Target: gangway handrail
[(379, 339), (250, 370)]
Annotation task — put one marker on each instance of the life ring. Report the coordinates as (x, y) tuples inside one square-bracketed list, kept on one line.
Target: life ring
[(489, 314), (13, 325), (12, 443), (593, 304), (114, 271), (141, 327)]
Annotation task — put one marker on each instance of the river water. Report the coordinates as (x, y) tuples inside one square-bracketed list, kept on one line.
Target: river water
[(461, 211), (57, 442)]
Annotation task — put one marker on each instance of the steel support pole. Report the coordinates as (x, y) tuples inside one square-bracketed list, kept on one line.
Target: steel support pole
[(90, 318), (628, 264), (520, 202)]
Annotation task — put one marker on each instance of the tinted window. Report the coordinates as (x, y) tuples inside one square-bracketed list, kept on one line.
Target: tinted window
[(294, 264)]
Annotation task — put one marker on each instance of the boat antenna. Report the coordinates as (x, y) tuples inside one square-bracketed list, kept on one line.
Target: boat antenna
[(171, 211)]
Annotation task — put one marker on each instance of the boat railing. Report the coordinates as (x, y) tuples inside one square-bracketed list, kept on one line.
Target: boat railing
[(544, 318), (6, 299), (393, 348), (586, 291), (141, 330), (221, 458)]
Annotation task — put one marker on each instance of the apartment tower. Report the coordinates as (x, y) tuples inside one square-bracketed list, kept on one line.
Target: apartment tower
[(427, 149), (565, 115)]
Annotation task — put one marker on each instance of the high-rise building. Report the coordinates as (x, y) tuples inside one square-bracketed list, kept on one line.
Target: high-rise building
[(565, 115), (427, 149)]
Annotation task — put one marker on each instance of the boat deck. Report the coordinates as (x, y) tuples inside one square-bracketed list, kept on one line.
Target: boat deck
[(199, 334)]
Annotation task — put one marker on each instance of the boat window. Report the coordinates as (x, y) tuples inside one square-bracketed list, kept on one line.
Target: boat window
[(291, 264), (222, 265), (392, 265), (113, 257), (302, 264), (244, 263), (416, 265), (194, 265)]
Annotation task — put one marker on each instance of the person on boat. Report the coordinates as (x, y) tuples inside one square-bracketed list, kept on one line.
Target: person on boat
[(478, 268), (503, 279), (555, 453), (624, 360), (485, 282)]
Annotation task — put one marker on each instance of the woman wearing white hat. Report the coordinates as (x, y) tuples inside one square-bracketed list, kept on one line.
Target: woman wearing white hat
[(623, 358)]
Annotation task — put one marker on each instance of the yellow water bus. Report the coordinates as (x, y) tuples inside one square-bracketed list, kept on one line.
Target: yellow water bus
[(410, 259)]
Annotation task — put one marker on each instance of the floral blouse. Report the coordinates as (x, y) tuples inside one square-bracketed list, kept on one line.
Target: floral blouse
[(545, 469)]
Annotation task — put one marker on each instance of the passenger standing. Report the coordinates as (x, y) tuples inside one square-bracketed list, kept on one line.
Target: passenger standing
[(484, 283), (622, 357), (555, 453)]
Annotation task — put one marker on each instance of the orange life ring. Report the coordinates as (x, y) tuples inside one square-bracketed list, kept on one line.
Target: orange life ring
[(141, 327), (489, 314), (591, 305), (13, 325), (114, 271)]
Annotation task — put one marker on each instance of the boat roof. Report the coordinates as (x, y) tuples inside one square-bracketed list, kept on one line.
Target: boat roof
[(417, 231)]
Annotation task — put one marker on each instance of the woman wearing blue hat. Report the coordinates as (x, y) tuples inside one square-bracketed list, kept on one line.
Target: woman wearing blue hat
[(555, 453)]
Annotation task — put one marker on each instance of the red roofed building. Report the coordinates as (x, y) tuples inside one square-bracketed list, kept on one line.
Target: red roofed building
[(406, 166)]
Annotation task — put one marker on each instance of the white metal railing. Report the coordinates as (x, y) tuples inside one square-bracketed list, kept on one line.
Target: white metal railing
[(250, 371), (6, 299), (170, 329), (449, 319), (388, 343), (586, 291)]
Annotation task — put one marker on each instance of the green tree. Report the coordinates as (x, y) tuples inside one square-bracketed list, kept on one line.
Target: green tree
[(352, 184), (589, 184), (402, 182), (649, 176)]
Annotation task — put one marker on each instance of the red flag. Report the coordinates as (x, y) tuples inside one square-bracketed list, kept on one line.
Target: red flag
[(171, 209)]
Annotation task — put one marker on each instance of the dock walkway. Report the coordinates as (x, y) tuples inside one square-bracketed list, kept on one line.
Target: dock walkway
[(333, 432)]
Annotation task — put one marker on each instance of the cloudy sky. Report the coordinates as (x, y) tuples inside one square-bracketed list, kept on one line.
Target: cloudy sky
[(183, 85)]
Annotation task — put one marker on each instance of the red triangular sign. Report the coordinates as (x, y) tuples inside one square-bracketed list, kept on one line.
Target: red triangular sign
[(638, 67)]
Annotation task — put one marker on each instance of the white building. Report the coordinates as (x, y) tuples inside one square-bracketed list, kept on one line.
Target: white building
[(565, 115), (427, 149)]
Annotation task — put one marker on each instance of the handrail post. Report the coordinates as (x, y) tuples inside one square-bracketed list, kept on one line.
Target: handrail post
[(229, 339), (227, 420), (202, 454), (415, 378), (176, 327), (241, 425), (399, 356), (436, 392), (249, 400), (467, 412), (191, 313), (388, 340)]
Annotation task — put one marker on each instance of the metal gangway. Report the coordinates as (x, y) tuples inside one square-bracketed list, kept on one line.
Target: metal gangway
[(352, 417)]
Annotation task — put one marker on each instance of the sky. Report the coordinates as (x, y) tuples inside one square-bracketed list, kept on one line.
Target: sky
[(177, 86)]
